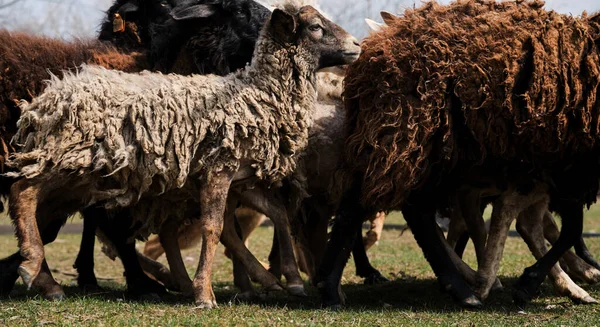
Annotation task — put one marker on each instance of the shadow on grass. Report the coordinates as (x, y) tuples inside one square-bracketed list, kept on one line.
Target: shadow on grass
[(404, 294)]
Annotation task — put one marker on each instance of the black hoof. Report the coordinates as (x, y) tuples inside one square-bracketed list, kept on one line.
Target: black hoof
[(8, 276), (58, 296), (329, 295), (146, 288), (375, 278), (88, 282), (521, 299), (150, 298), (527, 287), (471, 302)]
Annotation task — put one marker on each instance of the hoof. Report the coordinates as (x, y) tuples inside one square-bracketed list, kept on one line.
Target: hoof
[(376, 278), (296, 290), (150, 298), (497, 287), (28, 278), (274, 288), (335, 307), (249, 296), (521, 299), (57, 296), (471, 302), (206, 305), (586, 300)]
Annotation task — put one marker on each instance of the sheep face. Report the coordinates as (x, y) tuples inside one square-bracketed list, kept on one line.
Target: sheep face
[(127, 22), (326, 43), (209, 36)]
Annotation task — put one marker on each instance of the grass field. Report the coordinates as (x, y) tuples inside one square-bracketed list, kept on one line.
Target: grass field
[(412, 298)]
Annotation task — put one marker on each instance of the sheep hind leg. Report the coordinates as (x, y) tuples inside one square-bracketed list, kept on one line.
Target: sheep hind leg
[(213, 204), (506, 209), (264, 202), (574, 264), (240, 252), (529, 226), (169, 241), (117, 231), (364, 268), (158, 271), (86, 279), (533, 276), (421, 219), (23, 208), (240, 276)]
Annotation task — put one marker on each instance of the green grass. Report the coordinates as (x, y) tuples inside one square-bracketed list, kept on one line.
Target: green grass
[(412, 298)]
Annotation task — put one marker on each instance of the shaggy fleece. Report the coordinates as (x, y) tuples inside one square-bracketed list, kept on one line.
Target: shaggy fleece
[(467, 82), (131, 135)]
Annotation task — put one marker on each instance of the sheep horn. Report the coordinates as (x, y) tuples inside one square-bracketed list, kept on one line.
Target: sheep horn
[(388, 17)]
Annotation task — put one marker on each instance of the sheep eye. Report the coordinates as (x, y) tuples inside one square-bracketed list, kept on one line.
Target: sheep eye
[(314, 28)]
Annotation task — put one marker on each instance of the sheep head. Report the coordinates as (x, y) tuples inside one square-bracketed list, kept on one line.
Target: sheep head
[(126, 23), (208, 36), (324, 43)]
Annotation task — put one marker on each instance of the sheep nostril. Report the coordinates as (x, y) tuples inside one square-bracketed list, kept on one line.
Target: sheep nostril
[(356, 43)]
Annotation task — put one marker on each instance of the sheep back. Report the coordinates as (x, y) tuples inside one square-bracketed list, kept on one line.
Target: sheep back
[(131, 135), (464, 82)]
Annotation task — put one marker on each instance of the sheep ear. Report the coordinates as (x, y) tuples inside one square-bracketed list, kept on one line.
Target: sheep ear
[(128, 7), (373, 25), (191, 12), (283, 26), (388, 17)]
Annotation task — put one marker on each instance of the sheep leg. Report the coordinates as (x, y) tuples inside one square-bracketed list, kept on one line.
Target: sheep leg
[(347, 225), (48, 285), (10, 265), (374, 233), (551, 233), (86, 279), (213, 202), (240, 276), (364, 268), (23, 206), (505, 210), (255, 269), (421, 219), (168, 239), (8, 273), (529, 226), (117, 230), (533, 276), (574, 265), (264, 202), (470, 203), (158, 271), (457, 230), (275, 258), (153, 248)]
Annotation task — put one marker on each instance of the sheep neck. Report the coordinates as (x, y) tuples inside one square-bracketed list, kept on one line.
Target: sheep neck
[(285, 74)]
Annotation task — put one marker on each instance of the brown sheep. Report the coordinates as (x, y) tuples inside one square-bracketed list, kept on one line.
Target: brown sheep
[(486, 95)]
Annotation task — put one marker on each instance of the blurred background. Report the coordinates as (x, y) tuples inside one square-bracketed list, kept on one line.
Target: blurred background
[(80, 18)]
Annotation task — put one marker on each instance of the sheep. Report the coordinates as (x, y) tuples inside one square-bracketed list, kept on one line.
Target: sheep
[(317, 166), (239, 129), (25, 62), (139, 19), (454, 106)]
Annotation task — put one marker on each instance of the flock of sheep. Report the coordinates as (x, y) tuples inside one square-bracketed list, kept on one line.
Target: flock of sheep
[(193, 120)]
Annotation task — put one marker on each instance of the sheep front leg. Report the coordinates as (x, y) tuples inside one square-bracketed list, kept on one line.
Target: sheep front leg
[(23, 205), (504, 213), (213, 201)]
